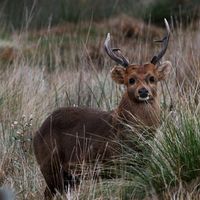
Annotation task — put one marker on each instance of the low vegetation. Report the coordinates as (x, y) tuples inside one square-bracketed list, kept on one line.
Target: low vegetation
[(37, 14)]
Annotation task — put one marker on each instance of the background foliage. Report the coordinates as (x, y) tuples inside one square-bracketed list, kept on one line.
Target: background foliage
[(38, 13)]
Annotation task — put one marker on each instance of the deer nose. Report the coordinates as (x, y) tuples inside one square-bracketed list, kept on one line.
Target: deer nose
[(143, 92)]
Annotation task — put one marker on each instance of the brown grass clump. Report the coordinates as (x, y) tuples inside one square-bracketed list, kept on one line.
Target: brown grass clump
[(130, 27), (8, 54), (59, 30)]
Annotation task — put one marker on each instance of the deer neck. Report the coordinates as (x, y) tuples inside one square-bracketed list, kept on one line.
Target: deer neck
[(140, 113)]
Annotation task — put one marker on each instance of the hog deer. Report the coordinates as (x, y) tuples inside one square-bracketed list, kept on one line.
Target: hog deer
[(59, 143)]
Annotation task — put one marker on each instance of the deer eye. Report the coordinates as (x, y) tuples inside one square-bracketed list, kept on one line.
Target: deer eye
[(131, 81), (152, 79)]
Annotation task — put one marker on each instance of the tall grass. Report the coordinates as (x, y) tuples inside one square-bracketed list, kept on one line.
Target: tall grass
[(169, 165), (40, 78)]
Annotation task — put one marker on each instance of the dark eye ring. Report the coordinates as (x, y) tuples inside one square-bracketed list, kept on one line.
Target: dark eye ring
[(152, 79), (131, 81)]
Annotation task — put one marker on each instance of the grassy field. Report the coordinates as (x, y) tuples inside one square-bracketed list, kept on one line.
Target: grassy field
[(66, 65)]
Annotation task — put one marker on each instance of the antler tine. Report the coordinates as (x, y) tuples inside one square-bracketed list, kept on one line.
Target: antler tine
[(114, 53), (165, 42)]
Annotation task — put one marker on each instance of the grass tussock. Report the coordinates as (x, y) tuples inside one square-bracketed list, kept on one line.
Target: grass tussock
[(53, 70), (169, 165)]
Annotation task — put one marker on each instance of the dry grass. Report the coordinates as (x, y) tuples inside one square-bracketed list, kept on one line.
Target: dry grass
[(50, 71)]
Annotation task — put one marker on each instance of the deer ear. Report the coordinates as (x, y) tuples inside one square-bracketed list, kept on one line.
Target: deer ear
[(118, 74), (163, 70)]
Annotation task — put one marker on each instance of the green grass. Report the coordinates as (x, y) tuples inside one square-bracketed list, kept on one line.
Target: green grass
[(163, 168), (174, 158)]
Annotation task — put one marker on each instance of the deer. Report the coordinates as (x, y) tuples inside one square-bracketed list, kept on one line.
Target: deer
[(60, 142)]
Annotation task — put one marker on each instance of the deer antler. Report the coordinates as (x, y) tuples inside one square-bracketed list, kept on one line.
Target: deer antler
[(165, 42), (115, 53)]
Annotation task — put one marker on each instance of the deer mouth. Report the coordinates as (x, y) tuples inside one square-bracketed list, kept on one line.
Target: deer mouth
[(143, 98)]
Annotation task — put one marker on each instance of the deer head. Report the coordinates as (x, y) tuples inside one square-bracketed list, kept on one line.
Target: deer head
[(140, 80)]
